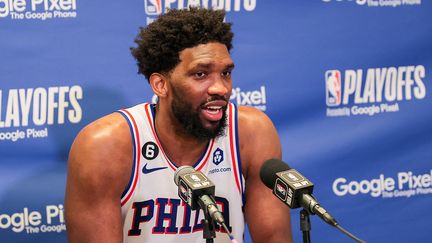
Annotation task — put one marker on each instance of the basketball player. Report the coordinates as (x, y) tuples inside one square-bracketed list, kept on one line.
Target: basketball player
[(121, 167)]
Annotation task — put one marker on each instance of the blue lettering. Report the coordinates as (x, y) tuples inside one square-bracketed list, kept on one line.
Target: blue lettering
[(138, 218), (186, 228), (171, 216), (145, 211)]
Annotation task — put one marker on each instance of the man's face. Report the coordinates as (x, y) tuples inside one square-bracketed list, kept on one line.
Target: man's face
[(200, 89)]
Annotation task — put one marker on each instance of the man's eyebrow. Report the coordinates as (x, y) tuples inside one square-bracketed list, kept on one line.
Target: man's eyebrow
[(203, 65), (230, 66), (210, 65)]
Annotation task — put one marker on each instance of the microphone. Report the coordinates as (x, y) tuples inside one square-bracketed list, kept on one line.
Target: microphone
[(295, 190), (197, 191), (292, 188)]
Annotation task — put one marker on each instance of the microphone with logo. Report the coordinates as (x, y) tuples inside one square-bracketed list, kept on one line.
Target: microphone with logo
[(295, 191), (197, 191)]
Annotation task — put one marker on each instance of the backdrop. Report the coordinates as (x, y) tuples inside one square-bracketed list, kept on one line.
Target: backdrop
[(346, 82)]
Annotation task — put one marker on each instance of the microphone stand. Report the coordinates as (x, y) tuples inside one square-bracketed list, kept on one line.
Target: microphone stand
[(305, 225), (209, 227)]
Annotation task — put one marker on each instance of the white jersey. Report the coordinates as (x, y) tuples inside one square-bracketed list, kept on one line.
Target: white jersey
[(151, 208)]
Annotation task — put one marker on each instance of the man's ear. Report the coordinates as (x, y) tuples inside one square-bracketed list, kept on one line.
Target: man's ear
[(159, 84)]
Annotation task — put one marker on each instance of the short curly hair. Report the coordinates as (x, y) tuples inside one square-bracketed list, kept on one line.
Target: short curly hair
[(160, 43)]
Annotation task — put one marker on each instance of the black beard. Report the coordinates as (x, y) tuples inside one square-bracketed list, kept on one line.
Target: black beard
[(189, 119)]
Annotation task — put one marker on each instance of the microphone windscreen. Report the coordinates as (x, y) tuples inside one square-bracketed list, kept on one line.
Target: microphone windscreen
[(182, 170), (269, 169)]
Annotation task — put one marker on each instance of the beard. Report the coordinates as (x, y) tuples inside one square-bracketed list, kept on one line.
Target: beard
[(189, 117)]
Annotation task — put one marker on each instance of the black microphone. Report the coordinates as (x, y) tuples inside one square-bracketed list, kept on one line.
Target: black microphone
[(197, 191), (292, 188), (295, 190)]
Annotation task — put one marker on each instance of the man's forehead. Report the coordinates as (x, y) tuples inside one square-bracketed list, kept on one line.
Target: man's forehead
[(206, 55)]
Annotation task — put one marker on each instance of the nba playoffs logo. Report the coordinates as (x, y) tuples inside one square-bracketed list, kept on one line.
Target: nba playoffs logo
[(333, 87), (157, 7), (373, 90), (153, 7)]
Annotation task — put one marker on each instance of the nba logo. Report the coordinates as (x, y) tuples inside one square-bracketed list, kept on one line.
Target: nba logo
[(292, 177), (333, 87), (153, 7), (281, 189)]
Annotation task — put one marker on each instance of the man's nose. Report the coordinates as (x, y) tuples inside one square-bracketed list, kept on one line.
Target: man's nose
[(220, 86)]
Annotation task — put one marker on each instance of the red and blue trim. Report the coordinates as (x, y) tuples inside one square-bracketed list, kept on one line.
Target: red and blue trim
[(149, 109), (234, 147), (127, 193)]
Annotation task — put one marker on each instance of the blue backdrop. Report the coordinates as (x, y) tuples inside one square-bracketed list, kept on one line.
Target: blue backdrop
[(346, 82)]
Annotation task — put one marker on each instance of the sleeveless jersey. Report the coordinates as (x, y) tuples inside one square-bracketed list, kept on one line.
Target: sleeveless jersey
[(151, 209)]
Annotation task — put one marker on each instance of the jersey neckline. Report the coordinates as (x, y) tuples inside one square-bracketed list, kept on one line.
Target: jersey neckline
[(150, 110)]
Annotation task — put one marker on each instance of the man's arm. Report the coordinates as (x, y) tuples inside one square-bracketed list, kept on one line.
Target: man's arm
[(268, 219), (99, 169)]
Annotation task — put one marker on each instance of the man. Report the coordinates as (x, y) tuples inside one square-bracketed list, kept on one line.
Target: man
[(120, 174)]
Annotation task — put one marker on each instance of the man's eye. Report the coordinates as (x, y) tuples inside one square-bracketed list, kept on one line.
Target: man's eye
[(226, 73), (199, 74)]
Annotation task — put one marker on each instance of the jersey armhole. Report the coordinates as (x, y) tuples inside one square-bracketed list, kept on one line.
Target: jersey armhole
[(133, 178), (235, 150)]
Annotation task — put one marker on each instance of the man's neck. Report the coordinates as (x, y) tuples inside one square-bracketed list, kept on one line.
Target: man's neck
[(181, 148)]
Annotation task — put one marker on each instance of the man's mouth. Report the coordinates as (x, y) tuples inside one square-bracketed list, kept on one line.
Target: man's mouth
[(213, 110)]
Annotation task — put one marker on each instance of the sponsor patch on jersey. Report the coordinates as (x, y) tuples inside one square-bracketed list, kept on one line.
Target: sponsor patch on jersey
[(218, 156), (150, 150)]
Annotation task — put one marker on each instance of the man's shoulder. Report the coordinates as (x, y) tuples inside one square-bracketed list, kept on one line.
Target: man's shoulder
[(109, 127), (101, 155), (258, 141), (106, 138), (256, 133), (102, 151), (251, 118)]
